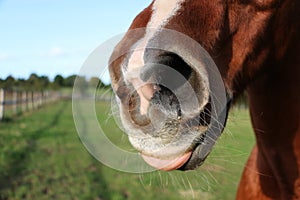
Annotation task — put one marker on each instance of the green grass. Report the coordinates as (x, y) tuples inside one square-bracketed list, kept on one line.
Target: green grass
[(41, 157)]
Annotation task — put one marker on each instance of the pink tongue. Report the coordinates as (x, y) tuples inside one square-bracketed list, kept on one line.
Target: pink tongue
[(167, 165)]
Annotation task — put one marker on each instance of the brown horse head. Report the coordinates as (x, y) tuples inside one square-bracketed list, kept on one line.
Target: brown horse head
[(164, 78)]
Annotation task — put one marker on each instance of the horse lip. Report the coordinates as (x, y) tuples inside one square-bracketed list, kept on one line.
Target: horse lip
[(191, 159), (196, 159), (167, 164)]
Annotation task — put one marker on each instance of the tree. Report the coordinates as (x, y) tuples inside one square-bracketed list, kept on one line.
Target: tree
[(35, 82), (1, 83), (20, 83), (95, 82), (32, 81), (59, 81), (81, 84), (69, 81), (43, 82), (9, 82)]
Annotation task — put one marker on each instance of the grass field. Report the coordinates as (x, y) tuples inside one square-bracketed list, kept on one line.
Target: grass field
[(41, 157)]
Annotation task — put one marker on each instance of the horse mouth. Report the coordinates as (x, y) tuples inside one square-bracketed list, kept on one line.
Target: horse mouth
[(166, 110), (179, 144), (195, 154)]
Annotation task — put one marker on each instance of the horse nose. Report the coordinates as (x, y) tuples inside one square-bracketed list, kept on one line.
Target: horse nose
[(168, 73), (155, 86)]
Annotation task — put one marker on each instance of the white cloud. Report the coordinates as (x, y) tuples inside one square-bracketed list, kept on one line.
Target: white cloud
[(60, 52), (52, 53), (4, 56), (56, 51)]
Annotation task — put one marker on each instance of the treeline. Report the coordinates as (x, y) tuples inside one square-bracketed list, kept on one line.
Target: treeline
[(36, 82)]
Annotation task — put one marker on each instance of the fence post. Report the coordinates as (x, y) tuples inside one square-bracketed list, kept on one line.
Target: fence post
[(15, 102), (24, 101), (32, 100), (38, 99), (46, 97), (27, 101), (2, 102), (41, 98)]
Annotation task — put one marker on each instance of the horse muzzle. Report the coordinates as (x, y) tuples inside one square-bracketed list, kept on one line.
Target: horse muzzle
[(168, 108)]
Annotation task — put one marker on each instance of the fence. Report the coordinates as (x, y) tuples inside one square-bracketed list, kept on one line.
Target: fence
[(16, 102)]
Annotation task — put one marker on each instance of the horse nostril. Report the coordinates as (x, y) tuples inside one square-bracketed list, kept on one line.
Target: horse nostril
[(148, 71), (168, 70)]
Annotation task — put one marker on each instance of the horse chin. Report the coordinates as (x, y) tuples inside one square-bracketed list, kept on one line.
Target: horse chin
[(182, 154), (198, 156)]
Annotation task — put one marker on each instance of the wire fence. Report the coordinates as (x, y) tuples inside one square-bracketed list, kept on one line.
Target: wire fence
[(13, 103), (16, 102)]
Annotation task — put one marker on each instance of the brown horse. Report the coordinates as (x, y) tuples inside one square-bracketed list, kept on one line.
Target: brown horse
[(256, 47)]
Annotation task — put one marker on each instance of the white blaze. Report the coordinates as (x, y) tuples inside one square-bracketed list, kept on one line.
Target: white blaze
[(163, 11)]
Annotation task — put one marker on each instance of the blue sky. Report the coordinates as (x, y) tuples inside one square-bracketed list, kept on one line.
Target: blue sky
[(50, 37)]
